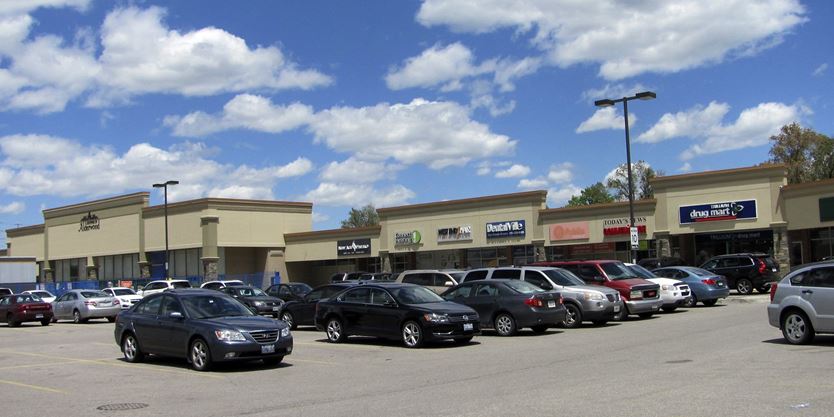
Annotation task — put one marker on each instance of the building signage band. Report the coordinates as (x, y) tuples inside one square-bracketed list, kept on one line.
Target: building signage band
[(353, 247), (569, 231), (89, 222), (454, 233), (614, 227), (727, 210), (407, 238), (513, 228)]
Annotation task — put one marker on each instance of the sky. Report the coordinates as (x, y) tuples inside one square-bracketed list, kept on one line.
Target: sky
[(391, 102)]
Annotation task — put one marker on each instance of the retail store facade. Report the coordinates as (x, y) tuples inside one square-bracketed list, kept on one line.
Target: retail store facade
[(692, 216)]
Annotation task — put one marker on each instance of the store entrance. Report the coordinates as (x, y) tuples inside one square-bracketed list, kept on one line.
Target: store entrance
[(708, 245)]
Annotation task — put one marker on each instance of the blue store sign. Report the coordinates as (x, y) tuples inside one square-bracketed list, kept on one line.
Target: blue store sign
[(728, 210), (513, 228)]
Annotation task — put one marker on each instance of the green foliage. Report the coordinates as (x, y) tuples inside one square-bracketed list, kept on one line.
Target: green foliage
[(807, 154), (594, 194), (641, 172), (362, 217)]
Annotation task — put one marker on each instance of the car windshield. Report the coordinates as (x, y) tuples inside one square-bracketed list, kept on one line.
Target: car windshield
[(250, 292), (617, 271), (93, 294), (42, 294), (27, 298), (641, 272), (212, 306), (563, 277), (181, 284), (523, 287), (457, 275), (699, 272), (124, 291), (300, 289), (415, 295)]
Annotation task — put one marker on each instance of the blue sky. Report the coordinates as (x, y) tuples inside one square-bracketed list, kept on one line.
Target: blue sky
[(390, 103)]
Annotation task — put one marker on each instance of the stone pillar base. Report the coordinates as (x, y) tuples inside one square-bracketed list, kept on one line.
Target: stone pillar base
[(144, 270), (210, 268), (48, 275), (664, 246), (92, 272), (781, 253)]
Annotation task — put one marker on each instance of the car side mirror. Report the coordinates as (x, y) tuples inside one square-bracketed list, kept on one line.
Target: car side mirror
[(175, 315), (547, 286)]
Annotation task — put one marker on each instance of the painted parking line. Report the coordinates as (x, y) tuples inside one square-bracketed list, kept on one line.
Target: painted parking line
[(34, 387), (37, 365), (114, 364), (338, 346), (312, 361)]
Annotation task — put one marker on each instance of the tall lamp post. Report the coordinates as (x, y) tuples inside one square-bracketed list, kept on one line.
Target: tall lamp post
[(164, 187), (645, 95)]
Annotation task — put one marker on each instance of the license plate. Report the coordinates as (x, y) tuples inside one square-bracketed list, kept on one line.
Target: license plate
[(38, 316), (616, 309), (274, 308), (268, 349), (468, 327), (551, 304)]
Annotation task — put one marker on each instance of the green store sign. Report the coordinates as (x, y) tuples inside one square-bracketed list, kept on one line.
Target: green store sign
[(407, 238)]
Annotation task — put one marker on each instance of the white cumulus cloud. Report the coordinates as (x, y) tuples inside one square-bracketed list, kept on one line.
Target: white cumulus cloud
[(15, 207), (606, 118), (354, 171), (685, 123), (357, 195), (514, 171)]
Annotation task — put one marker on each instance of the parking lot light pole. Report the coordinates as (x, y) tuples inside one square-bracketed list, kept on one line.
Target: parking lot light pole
[(164, 187), (645, 95)]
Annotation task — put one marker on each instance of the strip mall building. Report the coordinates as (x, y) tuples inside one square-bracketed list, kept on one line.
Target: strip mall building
[(693, 216)]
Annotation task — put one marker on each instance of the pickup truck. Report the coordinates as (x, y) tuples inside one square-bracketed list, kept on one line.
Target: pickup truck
[(641, 297)]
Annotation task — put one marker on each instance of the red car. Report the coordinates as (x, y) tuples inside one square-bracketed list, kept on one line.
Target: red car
[(18, 308), (641, 297)]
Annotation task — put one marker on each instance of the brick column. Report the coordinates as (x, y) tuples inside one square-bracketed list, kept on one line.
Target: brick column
[(663, 245), (781, 252), (210, 257)]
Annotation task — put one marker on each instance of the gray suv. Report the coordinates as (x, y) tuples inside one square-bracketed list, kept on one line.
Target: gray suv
[(802, 303)]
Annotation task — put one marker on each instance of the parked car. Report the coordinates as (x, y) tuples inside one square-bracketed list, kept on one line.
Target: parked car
[(82, 305), (704, 285), (216, 285), (19, 308), (508, 305), (828, 258), (44, 295), (582, 302), (660, 262), (303, 312), (126, 296), (5, 291), (346, 276), (255, 298), (203, 326), (432, 279), (377, 276), (408, 312), (158, 286), (745, 271), (673, 292), (641, 297), (802, 303), (291, 291)]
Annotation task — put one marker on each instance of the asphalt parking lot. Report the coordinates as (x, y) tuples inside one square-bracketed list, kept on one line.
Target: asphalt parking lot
[(719, 361)]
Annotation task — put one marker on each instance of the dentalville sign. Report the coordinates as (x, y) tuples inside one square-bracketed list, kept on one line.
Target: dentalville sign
[(615, 227)]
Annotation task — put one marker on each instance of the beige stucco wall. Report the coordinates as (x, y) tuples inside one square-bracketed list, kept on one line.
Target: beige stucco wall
[(27, 245), (118, 234), (259, 228), (324, 248), (596, 216), (802, 208), (184, 230)]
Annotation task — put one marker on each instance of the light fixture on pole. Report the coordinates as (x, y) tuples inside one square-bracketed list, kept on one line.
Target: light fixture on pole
[(645, 95), (164, 187)]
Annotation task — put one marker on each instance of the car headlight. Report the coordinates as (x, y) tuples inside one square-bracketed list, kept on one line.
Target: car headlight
[(436, 318), (229, 335), (594, 296), (258, 303), (285, 332), (667, 287)]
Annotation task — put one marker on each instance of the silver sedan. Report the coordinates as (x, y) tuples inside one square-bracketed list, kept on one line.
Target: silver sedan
[(82, 305)]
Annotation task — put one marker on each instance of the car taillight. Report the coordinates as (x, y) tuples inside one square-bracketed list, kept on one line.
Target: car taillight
[(762, 266), (534, 302), (708, 281), (773, 291), (90, 303), (561, 300)]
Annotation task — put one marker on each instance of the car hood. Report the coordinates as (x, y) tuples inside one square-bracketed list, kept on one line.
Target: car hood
[(588, 288), (665, 281), (628, 283), (266, 298), (246, 323), (445, 307), (129, 297)]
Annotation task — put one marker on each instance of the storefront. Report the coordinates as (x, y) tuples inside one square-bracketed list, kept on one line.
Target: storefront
[(810, 212)]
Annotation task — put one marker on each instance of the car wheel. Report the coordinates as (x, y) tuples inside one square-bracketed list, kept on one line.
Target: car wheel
[(289, 319), (573, 316), (744, 286), (505, 325), (273, 361), (765, 289), (710, 303), (670, 309), (10, 321), (200, 355), (645, 315), (691, 301), (796, 328), (335, 331), (130, 348), (76, 317), (44, 322), (412, 334), (540, 329), (111, 319), (463, 340), (622, 315), (600, 322), (54, 319)]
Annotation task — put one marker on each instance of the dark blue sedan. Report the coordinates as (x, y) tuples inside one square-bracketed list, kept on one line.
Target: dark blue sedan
[(706, 286), (203, 326)]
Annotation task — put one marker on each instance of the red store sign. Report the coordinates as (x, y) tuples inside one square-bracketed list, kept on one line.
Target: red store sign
[(617, 227)]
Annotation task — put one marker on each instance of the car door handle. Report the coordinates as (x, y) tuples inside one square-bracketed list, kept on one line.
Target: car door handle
[(807, 292)]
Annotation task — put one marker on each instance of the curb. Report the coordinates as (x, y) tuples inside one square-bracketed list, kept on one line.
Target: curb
[(748, 299)]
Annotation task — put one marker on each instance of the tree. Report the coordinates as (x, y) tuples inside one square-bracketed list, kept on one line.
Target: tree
[(641, 172), (822, 166), (365, 216), (796, 147), (594, 194)]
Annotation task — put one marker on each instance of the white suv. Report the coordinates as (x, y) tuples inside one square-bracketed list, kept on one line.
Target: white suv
[(437, 281), (154, 287), (217, 285), (127, 297)]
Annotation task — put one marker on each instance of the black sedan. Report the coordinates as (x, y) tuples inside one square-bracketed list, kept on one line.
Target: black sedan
[(291, 291), (508, 305), (303, 312), (408, 312), (204, 326), (256, 299)]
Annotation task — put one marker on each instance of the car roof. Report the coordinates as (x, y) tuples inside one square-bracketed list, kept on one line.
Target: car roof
[(584, 261), (193, 291)]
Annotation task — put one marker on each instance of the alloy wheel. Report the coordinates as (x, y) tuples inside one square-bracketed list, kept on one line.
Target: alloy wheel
[(795, 327), (412, 335), (287, 318), (504, 325), (76, 317), (130, 348), (334, 330), (744, 286), (199, 355)]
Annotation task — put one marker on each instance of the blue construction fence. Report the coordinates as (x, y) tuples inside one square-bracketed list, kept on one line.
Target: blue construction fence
[(59, 288)]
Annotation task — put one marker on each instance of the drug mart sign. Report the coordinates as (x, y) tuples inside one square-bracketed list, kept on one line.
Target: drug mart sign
[(727, 210)]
